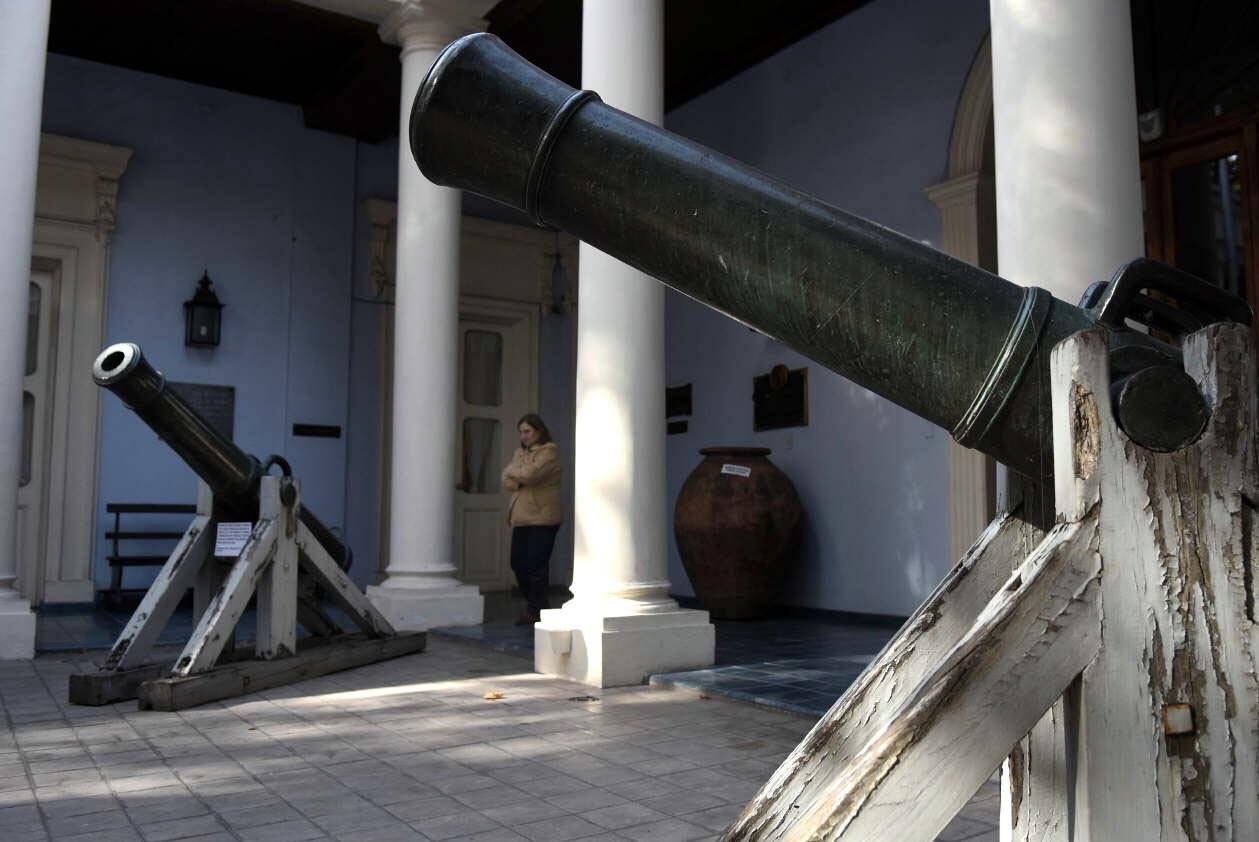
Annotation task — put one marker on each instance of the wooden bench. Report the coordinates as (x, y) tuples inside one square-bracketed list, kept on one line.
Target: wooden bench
[(119, 560)]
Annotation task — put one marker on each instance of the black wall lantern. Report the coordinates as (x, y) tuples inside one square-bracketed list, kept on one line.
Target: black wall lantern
[(203, 315)]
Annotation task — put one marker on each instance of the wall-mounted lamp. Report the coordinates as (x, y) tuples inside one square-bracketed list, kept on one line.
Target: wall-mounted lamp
[(203, 315)]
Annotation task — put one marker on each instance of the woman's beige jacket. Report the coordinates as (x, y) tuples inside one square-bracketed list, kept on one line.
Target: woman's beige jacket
[(533, 477)]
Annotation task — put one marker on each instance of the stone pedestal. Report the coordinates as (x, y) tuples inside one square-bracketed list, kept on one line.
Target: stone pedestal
[(597, 647), (444, 603)]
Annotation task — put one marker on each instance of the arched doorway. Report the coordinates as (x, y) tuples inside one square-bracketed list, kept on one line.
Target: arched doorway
[(967, 202)]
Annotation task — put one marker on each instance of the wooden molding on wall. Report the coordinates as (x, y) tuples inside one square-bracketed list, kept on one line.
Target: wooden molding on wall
[(75, 216)]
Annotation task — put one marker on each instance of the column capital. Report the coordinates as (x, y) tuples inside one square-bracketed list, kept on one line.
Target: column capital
[(432, 24)]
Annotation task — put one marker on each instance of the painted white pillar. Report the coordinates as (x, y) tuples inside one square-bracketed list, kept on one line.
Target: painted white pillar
[(23, 50), (421, 588), (621, 624), (1068, 213), (1067, 154)]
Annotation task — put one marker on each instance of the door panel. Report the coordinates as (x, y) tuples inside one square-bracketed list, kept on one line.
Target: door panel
[(37, 392), (496, 375)]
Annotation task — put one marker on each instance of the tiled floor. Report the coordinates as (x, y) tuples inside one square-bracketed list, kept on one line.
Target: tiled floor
[(409, 749), (800, 665)]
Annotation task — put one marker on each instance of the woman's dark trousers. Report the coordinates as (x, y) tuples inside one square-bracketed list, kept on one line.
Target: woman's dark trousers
[(531, 561)]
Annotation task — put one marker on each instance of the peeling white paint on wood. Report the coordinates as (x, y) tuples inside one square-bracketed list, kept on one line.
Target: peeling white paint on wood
[(1141, 601), (1180, 625), (867, 707)]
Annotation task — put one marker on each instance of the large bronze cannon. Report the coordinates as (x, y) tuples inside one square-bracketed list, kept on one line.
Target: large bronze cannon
[(232, 474), (951, 343)]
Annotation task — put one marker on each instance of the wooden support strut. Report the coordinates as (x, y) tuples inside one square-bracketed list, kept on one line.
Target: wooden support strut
[(279, 548), (1142, 596)]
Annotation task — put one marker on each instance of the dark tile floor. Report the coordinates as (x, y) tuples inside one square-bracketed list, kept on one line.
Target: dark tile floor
[(790, 663), (73, 628)]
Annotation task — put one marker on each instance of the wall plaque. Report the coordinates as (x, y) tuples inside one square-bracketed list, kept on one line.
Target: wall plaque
[(677, 400), (216, 404), (780, 398)]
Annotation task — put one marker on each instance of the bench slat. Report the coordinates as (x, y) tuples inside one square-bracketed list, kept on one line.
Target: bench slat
[(151, 508), (127, 535), (135, 560)]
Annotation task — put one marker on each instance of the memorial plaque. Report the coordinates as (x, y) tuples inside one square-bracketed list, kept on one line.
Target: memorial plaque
[(677, 400), (216, 404), (780, 399)]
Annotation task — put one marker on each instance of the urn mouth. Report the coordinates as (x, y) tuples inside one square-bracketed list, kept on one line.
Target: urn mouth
[(745, 452)]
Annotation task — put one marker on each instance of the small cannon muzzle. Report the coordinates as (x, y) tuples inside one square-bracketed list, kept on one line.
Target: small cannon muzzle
[(232, 474), (951, 343)]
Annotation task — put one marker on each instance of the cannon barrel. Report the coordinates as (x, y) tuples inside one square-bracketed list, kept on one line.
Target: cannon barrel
[(951, 343), (232, 474)]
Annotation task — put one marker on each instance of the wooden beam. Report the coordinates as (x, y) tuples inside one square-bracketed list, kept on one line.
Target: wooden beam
[(231, 680), (106, 687), (866, 709), (337, 585), (951, 731), (1169, 714), (177, 575), (218, 623)]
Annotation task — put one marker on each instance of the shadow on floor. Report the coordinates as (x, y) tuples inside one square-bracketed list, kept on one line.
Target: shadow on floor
[(790, 663)]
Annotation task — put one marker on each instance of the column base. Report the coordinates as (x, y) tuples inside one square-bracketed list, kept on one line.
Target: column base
[(613, 651), (17, 630), (433, 606)]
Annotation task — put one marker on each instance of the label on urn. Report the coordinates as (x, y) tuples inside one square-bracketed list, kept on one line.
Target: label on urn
[(736, 470), (231, 539)]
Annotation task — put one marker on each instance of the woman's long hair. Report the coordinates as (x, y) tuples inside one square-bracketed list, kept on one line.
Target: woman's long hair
[(535, 421)]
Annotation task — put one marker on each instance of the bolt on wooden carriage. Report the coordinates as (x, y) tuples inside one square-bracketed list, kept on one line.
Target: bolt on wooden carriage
[(1099, 642)]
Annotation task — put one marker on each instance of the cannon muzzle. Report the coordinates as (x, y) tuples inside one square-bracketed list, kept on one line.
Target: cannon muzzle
[(232, 474), (951, 343)]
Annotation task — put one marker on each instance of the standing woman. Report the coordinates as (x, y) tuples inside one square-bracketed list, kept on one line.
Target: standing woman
[(533, 477)]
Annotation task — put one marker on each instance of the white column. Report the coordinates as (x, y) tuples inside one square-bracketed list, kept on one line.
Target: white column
[(1068, 213), (621, 624), (421, 589), (1067, 153), (23, 48)]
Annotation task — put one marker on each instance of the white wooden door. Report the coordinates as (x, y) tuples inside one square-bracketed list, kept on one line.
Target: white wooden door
[(497, 365), (37, 392)]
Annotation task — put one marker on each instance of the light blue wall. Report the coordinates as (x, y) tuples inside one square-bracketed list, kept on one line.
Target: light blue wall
[(236, 185), (858, 114), (377, 178)]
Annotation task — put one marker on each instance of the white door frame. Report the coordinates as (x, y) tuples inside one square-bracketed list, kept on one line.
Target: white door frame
[(505, 270), (75, 216), (506, 314)]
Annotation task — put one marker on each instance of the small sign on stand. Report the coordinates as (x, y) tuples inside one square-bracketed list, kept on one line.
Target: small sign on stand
[(230, 539)]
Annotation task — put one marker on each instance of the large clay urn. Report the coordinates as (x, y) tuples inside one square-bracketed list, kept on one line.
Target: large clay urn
[(737, 523)]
